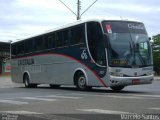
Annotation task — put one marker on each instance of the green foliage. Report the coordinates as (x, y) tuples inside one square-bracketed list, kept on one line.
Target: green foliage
[(156, 51), (156, 39)]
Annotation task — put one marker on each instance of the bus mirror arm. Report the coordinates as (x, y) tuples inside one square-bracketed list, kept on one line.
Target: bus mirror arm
[(150, 38)]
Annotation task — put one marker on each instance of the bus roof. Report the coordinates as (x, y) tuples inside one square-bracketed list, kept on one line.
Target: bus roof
[(76, 23)]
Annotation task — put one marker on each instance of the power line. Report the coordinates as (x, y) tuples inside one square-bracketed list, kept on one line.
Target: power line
[(78, 15), (89, 7), (68, 7)]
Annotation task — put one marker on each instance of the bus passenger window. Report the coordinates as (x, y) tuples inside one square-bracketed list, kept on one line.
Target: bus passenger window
[(44, 42), (14, 50), (58, 39), (77, 35), (51, 41), (65, 38), (20, 48), (39, 44)]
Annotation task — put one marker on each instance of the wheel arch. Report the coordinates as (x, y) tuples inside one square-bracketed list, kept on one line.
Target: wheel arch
[(77, 72), (24, 74)]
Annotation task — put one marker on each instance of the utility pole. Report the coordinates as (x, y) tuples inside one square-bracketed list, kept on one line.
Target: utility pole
[(78, 15), (78, 9)]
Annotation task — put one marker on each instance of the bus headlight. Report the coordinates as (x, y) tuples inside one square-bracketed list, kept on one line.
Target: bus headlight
[(116, 74)]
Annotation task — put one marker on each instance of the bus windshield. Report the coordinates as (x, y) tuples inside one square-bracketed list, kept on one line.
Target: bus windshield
[(128, 44)]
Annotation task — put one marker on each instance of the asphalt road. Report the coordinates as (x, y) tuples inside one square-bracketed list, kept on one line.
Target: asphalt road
[(67, 103)]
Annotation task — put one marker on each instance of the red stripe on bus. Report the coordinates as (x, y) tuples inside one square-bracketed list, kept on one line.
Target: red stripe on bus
[(101, 81), (54, 54)]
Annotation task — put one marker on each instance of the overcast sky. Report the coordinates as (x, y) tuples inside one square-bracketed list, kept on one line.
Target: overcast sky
[(24, 18)]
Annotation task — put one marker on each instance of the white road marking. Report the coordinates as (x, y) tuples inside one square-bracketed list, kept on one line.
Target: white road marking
[(41, 99), (13, 102), (154, 108), (151, 96), (67, 97), (20, 112), (104, 111), (124, 97), (128, 96), (84, 94), (115, 96)]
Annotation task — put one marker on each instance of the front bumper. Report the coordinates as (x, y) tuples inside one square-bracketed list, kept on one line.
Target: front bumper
[(125, 81)]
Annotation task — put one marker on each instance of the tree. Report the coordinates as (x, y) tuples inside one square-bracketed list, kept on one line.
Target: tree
[(156, 53)]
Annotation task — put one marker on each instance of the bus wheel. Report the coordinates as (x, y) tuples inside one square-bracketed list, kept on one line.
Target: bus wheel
[(117, 88), (54, 86), (81, 83), (27, 82)]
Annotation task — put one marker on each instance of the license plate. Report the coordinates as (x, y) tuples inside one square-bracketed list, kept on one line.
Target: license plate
[(135, 82)]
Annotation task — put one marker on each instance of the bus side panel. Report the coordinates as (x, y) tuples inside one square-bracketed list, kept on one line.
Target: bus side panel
[(16, 73), (53, 69), (50, 69)]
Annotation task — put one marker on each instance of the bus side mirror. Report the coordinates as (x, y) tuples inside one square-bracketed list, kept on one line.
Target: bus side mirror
[(105, 40), (149, 38)]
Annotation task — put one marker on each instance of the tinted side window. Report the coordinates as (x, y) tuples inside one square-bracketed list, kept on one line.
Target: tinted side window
[(29, 46), (65, 37), (95, 42), (13, 49), (39, 43), (62, 38), (58, 39), (20, 47), (77, 35), (45, 42), (51, 40)]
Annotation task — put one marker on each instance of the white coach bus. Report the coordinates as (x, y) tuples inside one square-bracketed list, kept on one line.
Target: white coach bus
[(91, 53)]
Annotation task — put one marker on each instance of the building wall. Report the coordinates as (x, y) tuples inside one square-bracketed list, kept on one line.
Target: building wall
[(6, 66), (4, 57)]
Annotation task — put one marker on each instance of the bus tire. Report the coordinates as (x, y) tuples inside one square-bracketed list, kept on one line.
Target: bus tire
[(27, 82), (81, 82), (117, 88), (54, 86)]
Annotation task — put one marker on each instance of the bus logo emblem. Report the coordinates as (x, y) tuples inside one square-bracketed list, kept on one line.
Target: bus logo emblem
[(84, 55)]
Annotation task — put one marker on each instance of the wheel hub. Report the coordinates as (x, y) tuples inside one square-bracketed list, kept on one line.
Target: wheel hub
[(81, 82)]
